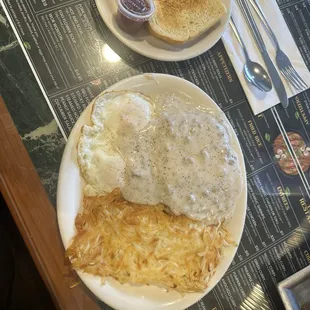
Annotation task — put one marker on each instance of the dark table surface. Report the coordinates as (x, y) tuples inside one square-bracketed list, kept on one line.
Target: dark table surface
[(27, 106), (45, 143)]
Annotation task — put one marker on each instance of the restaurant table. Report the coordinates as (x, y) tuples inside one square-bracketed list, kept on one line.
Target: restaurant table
[(42, 99)]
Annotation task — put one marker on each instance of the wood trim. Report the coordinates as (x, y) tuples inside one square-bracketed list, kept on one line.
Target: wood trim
[(35, 218)]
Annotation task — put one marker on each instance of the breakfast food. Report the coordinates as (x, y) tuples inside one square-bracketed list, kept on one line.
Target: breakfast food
[(167, 150), (141, 245), (178, 21), (101, 164), (162, 175)]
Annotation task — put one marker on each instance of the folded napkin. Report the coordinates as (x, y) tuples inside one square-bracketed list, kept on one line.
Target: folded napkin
[(260, 101)]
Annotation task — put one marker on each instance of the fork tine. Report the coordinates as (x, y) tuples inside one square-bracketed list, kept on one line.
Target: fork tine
[(298, 85), (295, 73), (301, 79), (288, 76), (291, 75)]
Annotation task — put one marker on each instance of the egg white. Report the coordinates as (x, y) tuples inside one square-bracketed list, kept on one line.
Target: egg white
[(102, 167)]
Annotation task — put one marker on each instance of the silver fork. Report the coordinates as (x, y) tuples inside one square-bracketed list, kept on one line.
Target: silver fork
[(283, 62)]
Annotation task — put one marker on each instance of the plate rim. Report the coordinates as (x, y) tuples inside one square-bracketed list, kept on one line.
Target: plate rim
[(67, 151), (173, 57)]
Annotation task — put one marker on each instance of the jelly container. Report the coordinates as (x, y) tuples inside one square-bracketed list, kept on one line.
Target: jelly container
[(133, 13)]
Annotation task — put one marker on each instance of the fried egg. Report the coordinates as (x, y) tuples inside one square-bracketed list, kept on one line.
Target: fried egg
[(100, 162)]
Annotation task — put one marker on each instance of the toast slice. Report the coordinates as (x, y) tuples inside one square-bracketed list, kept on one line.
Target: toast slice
[(179, 21)]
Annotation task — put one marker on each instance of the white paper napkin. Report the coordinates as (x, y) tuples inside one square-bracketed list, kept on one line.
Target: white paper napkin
[(260, 101)]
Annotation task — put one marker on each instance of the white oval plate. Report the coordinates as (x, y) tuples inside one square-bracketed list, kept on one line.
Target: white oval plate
[(149, 46), (69, 197)]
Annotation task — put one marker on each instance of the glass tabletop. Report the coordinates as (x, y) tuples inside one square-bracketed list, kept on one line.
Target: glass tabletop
[(74, 57)]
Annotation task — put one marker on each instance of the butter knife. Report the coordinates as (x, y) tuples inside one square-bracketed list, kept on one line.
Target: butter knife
[(273, 73)]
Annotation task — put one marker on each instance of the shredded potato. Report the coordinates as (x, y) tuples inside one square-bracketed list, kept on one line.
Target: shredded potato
[(142, 244)]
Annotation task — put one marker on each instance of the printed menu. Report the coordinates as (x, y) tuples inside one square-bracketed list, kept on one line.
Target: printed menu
[(75, 57)]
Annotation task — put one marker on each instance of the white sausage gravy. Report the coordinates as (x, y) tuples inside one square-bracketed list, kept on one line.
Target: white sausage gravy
[(184, 156)]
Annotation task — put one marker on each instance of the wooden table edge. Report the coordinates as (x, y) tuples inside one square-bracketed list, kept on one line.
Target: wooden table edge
[(35, 218)]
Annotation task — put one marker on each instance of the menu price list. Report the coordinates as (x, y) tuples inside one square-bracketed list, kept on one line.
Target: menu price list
[(41, 5), (296, 121), (297, 16), (76, 57)]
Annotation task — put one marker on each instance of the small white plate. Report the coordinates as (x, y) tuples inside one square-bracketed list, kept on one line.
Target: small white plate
[(69, 197), (149, 46)]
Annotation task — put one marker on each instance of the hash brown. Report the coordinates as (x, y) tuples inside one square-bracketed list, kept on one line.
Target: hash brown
[(144, 245)]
